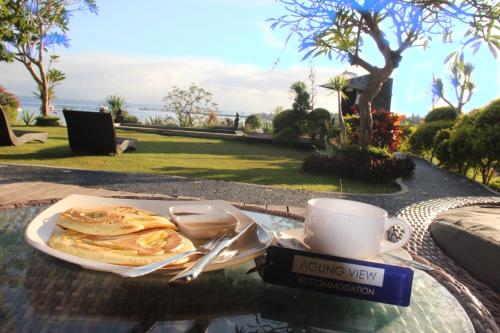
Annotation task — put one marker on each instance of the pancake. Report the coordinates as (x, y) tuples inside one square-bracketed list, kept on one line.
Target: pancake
[(140, 248), (111, 220)]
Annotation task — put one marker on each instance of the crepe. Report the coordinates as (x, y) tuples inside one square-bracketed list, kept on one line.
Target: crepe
[(140, 248), (111, 220)]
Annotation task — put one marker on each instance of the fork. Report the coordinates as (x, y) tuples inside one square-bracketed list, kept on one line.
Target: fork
[(149, 268)]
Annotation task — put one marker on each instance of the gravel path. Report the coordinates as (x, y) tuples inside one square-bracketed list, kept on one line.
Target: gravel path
[(428, 182)]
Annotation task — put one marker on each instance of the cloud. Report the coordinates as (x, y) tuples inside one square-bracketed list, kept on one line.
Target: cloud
[(140, 79), (270, 38)]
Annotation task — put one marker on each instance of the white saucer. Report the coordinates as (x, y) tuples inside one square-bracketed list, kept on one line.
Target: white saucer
[(298, 234)]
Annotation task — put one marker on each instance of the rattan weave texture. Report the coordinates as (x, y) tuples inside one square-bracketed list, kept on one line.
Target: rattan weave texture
[(481, 303)]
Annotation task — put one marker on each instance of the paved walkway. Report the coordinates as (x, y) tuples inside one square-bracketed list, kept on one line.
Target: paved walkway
[(428, 182)]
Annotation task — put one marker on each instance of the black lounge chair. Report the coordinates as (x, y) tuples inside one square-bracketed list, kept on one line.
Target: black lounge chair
[(94, 132), (10, 137)]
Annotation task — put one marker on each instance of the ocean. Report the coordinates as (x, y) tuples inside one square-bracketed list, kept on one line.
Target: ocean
[(141, 111)]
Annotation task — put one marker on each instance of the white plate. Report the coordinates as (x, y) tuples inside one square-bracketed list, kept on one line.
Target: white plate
[(40, 229), (298, 234)]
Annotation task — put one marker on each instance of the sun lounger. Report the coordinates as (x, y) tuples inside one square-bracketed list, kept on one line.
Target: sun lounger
[(94, 133), (10, 137)]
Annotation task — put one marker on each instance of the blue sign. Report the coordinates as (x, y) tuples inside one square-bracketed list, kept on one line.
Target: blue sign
[(339, 276)]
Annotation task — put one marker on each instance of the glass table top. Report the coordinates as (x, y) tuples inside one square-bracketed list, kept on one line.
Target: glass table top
[(39, 293)]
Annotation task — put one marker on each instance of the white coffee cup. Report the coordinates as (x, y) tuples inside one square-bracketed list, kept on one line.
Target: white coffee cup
[(350, 229)]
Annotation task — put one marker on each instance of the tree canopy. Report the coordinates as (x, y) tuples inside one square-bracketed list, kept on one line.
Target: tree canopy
[(31, 28), (189, 105), (341, 28)]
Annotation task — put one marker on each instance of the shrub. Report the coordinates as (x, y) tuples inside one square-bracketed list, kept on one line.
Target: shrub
[(407, 131), (48, 121), (386, 129), (318, 123), (489, 115), (267, 127), (486, 141), (28, 117), (287, 135), (10, 104), (252, 122), (461, 149), (128, 118), (288, 119), (301, 103), (441, 113), (333, 132), (227, 122), (441, 148), (422, 140), (372, 164), (154, 120)]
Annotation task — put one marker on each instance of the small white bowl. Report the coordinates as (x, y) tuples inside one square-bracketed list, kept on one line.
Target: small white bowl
[(202, 220)]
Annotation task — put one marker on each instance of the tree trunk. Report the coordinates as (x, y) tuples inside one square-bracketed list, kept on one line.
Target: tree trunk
[(44, 94), (373, 87)]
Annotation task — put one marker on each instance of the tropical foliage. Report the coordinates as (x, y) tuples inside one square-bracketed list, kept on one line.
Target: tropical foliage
[(252, 122), (338, 83), (9, 103), (301, 103), (386, 132), (28, 117), (154, 120), (117, 104), (318, 123), (461, 81), (371, 164), (54, 78), (29, 29), (289, 125), (422, 140), (441, 113), (342, 28), (471, 143)]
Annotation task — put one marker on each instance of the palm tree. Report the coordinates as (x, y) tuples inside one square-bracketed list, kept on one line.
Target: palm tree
[(54, 77), (115, 103), (338, 83)]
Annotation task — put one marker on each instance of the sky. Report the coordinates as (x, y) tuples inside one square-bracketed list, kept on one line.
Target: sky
[(140, 50)]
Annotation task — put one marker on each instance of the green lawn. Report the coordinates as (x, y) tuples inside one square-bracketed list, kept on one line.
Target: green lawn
[(200, 158)]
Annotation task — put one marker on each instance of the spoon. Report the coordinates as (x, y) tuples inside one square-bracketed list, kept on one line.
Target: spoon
[(297, 244)]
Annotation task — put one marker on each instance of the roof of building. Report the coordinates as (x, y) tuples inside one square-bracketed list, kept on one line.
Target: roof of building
[(358, 82)]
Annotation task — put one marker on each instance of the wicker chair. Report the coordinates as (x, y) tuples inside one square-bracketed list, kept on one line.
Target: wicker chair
[(481, 303), (94, 133), (9, 137)]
